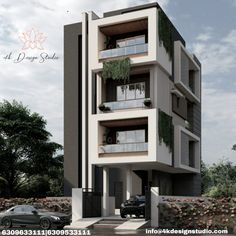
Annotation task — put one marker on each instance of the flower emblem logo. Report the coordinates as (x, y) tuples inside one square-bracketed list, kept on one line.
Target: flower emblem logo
[(32, 39)]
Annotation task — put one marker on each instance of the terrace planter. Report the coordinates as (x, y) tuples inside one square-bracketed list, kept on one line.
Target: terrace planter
[(103, 108), (147, 102)]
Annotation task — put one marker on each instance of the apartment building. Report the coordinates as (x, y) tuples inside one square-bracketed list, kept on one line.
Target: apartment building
[(132, 105)]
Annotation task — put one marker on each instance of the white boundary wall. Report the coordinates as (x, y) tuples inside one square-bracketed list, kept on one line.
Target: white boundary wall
[(77, 204)]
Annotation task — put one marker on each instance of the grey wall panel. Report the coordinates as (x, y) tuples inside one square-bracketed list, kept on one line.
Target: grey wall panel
[(194, 118), (197, 119), (187, 184), (184, 69), (179, 106), (72, 107), (184, 149), (163, 181)]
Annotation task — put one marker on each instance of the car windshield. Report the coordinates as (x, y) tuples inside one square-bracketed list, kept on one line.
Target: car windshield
[(141, 198), (132, 199), (10, 209)]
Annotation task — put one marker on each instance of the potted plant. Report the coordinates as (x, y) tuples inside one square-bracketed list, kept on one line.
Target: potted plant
[(101, 107), (147, 102), (107, 109), (109, 44)]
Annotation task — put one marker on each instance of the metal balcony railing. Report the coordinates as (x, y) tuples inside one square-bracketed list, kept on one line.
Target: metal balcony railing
[(123, 51), (127, 104), (123, 147)]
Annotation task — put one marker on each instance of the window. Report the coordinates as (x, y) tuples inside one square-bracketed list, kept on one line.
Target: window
[(126, 42), (131, 136), (120, 91), (130, 91), (140, 90), (29, 209), (19, 209), (177, 102)]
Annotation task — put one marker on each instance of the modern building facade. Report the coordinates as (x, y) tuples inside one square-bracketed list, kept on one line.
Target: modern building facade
[(132, 104)]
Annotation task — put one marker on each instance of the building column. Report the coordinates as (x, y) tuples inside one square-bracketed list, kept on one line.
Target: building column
[(105, 198), (90, 176), (128, 183), (84, 99), (99, 92)]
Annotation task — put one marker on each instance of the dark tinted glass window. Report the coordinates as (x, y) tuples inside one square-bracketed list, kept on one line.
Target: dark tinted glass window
[(19, 209), (29, 209)]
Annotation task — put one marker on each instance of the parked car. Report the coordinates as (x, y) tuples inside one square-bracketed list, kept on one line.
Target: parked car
[(22, 215), (134, 206)]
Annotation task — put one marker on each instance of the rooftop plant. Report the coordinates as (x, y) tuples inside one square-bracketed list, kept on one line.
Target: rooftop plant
[(165, 33)]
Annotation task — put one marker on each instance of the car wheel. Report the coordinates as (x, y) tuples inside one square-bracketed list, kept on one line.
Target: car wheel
[(123, 215), (45, 223), (6, 222)]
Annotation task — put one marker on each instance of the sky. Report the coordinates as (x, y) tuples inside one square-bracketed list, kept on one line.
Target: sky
[(208, 27)]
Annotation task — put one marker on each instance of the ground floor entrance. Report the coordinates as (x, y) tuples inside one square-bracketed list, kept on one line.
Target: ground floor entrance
[(119, 183)]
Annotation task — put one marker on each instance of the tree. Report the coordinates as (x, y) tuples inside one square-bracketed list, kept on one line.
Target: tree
[(25, 147), (205, 177), (219, 180)]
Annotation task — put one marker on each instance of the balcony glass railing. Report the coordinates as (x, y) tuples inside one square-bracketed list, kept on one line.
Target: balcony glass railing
[(123, 147), (123, 51), (128, 104)]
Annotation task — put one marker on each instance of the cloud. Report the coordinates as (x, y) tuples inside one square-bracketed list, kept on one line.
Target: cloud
[(217, 54), (6, 32), (234, 3), (219, 129), (40, 5), (204, 37), (230, 38)]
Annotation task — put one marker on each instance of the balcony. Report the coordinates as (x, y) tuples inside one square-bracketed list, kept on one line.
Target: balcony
[(125, 39), (123, 148), (124, 51), (117, 96), (129, 104), (123, 136)]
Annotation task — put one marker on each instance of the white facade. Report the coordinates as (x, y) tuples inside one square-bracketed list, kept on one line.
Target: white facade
[(136, 158)]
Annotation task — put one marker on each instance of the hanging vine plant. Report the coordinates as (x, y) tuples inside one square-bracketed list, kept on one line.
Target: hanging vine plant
[(165, 129), (116, 70), (165, 33)]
